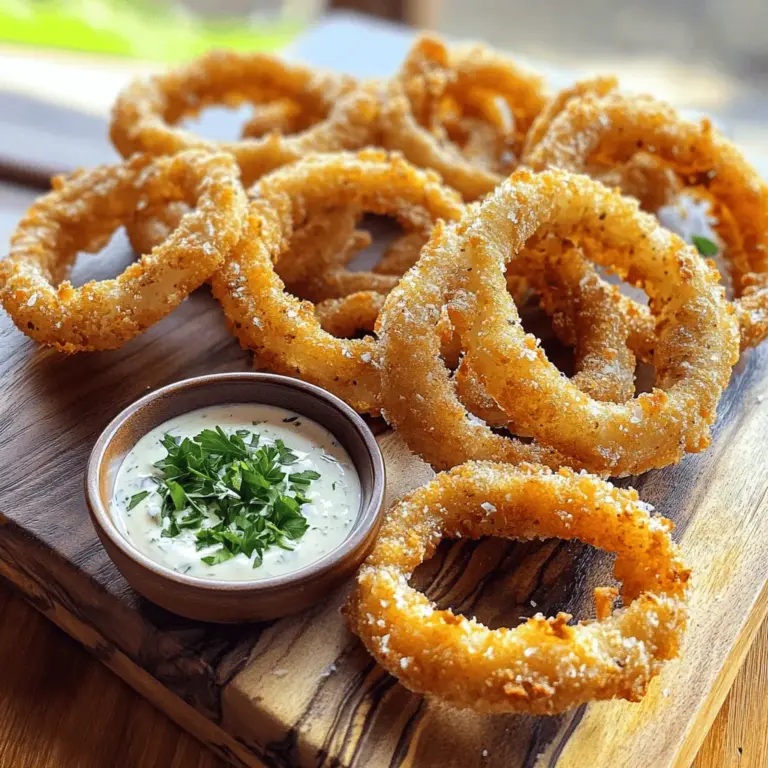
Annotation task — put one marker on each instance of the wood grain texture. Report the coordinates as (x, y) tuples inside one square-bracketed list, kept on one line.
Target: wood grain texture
[(61, 709), (52, 713)]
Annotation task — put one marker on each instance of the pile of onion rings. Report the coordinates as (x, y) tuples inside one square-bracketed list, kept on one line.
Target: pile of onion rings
[(283, 330), (507, 200), (332, 113), (696, 346)]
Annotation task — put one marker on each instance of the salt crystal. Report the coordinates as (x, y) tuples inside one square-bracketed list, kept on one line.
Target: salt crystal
[(328, 671)]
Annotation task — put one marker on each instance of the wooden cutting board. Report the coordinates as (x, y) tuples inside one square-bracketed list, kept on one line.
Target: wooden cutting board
[(302, 691)]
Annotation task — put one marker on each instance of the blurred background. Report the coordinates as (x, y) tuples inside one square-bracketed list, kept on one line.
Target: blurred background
[(731, 34), (703, 55)]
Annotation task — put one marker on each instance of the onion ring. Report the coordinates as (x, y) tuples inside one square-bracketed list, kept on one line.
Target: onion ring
[(418, 396), (283, 116), (603, 363), (611, 130), (542, 666), (641, 176), (597, 86), (414, 119), (351, 314), (697, 341), (284, 331), (145, 114), (82, 212)]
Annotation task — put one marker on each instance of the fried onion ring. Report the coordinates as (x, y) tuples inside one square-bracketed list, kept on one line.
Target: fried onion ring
[(641, 176), (598, 86), (351, 314), (697, 337), (283, 331), (598, 133), (542, 666), (418, 396), (569, 285), (145, 115), (82, 212), (462, 112)]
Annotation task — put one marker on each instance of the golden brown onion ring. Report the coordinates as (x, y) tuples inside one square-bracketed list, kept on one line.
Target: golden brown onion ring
[(418, 396), (697, 342), (82, 212), (590, 309), (283, 331), (600, 133), (641, 176), (145, 115), (542, 666), (468, 84), (597, 86)]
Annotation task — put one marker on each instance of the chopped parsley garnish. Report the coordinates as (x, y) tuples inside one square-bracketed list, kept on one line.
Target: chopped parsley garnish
[(704, 245), (232, 491), (137, 498)]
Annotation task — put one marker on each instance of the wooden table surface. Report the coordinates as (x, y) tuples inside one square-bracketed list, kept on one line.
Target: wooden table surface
[(61, 708)]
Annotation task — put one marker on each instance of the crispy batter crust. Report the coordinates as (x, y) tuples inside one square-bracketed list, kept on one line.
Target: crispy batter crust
[(82, 212), (145, 115), (697, 336), (543, 666), (283, 331)]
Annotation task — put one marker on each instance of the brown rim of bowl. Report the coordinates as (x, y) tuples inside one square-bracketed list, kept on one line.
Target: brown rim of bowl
[(368, 514)]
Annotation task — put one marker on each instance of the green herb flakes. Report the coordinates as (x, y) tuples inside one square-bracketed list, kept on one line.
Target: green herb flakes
[(231, 491), (705, 246), (136, 499)]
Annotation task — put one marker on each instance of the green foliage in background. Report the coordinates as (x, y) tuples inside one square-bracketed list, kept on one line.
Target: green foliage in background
[(137, 28)]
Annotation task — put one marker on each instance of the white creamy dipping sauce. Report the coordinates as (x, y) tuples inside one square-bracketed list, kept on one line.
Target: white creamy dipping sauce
[(330, 503)]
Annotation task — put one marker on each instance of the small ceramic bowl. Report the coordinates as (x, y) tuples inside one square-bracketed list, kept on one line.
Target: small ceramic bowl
[(235, 601)]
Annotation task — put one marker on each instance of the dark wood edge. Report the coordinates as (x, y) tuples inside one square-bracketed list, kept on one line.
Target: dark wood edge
[(33, 589), (35, 177)]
